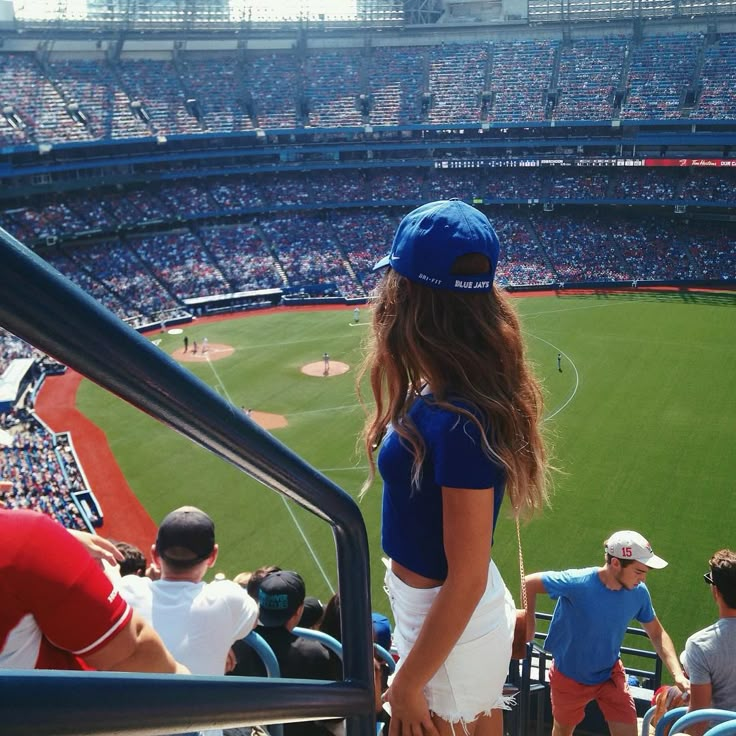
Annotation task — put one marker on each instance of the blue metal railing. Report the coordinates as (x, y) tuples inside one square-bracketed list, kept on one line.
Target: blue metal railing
[(727, 728), (707, 715), (676, 720), (48, 311), (652, 677)]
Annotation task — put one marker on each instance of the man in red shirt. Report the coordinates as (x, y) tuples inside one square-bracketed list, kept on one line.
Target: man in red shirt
[(59, 609)]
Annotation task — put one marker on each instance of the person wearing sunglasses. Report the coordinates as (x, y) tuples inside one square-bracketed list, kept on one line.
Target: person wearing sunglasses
[(710, 654)]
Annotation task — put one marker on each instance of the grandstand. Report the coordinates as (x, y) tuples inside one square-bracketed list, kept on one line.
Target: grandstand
[(176, 165)]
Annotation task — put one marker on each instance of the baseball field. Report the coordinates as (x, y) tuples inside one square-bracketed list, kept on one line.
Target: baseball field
[(641, 420)]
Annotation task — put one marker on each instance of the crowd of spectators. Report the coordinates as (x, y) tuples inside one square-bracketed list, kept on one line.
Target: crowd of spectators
[(646, 184), (521, 75), (92, 86), (332, 82), (273, 80), (155, 89), (718, 96), (310, 255), (584, 185), (662, 69), (91, 280), (143, 252), (179, 260), (124, 275), (524, 260), (220, 97), (395, 83), (11, 348), (331, 252), (243, 256), (580, 249), (38, 474), (457, 78), (590, 72), (709, 186), (88, 99), (38, 470), (29, 97), (363, 235)]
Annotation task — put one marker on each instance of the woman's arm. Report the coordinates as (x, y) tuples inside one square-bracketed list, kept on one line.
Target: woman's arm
[(467, 531)]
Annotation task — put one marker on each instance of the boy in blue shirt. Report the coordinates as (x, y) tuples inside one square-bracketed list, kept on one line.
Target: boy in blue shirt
[(594, 607)]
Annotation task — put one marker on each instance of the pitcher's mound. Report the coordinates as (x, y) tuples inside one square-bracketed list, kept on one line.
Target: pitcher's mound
[(268, 421), (215, 351), (318, 368)]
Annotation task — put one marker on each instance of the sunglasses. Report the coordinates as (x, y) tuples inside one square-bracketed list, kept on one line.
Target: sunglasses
[(708, 577)]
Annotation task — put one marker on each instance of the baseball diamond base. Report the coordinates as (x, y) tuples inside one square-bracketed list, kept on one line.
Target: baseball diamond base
[(215, 351)]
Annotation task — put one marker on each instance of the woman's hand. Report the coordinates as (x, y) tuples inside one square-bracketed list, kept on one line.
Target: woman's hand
[(410, 714)]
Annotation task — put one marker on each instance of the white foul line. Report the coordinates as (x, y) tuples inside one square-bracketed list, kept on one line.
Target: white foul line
[(574, 367), (285, 502)]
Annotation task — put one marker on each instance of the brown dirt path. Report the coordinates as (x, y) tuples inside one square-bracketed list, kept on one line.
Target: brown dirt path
[(125, 517)]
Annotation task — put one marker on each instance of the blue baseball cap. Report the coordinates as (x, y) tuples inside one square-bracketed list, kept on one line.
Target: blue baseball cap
[(430, 239), (381, 630)]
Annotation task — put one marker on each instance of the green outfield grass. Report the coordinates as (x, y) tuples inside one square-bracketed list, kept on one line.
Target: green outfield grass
[(641, 420)]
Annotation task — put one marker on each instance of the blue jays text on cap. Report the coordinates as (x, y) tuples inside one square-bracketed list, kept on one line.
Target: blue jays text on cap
[(430, 239)]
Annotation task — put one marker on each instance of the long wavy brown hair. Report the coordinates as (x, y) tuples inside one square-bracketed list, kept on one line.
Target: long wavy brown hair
[(465, 346)]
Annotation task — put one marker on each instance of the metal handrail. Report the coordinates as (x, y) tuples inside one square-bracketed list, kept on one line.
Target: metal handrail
[(43, 308), (701, 715)]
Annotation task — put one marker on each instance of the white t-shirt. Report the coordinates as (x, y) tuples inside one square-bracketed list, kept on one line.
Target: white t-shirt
[(198, 622)]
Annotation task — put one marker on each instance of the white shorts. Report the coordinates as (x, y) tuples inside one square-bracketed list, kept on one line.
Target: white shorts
[(470, 681)]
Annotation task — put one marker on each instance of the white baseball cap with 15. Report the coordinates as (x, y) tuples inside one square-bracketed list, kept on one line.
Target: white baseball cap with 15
[(628, 545)]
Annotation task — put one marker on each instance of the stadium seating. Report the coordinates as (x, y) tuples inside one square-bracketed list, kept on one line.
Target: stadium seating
[(661, 70), (92, 99), (718, 98), (37, 473), (332, 88), (395, 83), (457, 79), (590, 72), (521, 74), (75, 99), (12, 347)]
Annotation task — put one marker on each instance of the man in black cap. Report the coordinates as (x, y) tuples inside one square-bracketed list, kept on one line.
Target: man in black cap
[(281, 600), (312, 613), (198, 621)]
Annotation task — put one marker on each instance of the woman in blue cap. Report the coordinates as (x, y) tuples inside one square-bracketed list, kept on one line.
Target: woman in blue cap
[(456, 427)]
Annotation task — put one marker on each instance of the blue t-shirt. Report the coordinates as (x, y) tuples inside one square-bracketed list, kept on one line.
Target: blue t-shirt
[(589, 622), (411, 526)]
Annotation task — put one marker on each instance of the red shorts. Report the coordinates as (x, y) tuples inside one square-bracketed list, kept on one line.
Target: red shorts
[(569, 697)]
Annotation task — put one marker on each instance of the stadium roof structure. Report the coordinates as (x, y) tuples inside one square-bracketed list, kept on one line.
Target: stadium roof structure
[(587, 10), (205, 15), (144, 15)]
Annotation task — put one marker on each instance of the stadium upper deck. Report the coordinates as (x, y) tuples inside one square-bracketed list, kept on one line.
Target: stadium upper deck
[(57, 91)]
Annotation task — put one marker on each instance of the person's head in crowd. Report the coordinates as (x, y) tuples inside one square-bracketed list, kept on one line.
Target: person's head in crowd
[(185, 545), (381, 630), (331, 620), (242, 578), (133, 562), (722, 578), (281, 599), (254, 581), (312, 613)]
